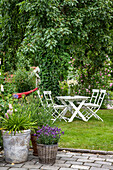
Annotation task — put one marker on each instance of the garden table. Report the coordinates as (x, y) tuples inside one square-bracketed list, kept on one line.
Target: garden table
[(71, 105)]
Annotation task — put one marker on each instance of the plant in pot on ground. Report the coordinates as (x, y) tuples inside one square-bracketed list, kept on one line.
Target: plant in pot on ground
[(16, 125), (47, 143), (41, 115)]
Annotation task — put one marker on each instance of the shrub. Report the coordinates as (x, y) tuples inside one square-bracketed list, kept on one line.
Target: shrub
[(24, 80), (42, 115)]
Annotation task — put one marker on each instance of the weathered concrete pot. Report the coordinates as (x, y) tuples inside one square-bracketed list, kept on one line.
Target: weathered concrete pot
[(16, 146)]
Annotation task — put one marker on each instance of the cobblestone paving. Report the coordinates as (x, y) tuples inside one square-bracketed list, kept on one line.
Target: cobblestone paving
[(65, 161)]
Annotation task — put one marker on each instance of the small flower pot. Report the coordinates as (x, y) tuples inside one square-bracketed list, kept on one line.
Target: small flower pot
[(34, 145), (16, 147), (47, 153)]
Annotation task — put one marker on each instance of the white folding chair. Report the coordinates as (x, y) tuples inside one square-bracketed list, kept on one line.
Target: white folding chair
[(48, 98), (40, 98), (56, 114), (94, 105), (95, 93)]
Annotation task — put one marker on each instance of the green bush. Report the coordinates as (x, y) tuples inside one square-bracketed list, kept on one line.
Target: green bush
[(24, 80), (42, 115)]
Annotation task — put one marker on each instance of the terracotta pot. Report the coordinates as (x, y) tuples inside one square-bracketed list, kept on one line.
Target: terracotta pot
[(34, 145), (47, 153)]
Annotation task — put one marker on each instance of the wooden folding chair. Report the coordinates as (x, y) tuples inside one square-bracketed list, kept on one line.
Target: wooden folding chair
[(94, 105), (40, 98), (56, 114)]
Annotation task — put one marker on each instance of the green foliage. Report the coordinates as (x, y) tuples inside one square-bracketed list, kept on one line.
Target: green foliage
[(64, 88), (89, 77), (24, 80), (24, 113), (9, 88), (13, 25), (17, 122), (77, 29), (41, 115), (110, 97), (48, 33), (17, 118), (50, 74), (44, 116), (27, 112)]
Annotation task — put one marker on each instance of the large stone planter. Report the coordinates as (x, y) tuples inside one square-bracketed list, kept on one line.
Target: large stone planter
[(47, 153), (16, 146)]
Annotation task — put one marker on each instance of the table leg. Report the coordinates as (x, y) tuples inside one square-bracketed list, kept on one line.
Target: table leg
[(67, 107), (61, 115), (63, 102), (64, 111), (77, 110)]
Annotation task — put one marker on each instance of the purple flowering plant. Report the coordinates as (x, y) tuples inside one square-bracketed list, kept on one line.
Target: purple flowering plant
[(48, 135)]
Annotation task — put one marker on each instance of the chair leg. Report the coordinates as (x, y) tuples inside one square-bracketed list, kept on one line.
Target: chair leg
[(60, 115), (87, 114), (91, 113), (95, 115)]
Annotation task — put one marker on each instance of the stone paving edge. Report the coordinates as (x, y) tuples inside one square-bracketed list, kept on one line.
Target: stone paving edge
[(87, 151)]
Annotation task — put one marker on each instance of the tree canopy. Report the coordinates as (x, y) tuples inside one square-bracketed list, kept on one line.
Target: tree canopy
[(48, 33)]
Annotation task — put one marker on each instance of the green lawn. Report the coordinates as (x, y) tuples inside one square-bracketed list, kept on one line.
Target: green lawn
[(94, 134)]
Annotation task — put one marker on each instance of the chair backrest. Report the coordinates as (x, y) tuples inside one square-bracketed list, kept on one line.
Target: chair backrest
[(40, 97), (48, 97), (101, 97), (94, 97)]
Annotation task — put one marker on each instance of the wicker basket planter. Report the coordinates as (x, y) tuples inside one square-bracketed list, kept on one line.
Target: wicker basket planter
[(47, 153)]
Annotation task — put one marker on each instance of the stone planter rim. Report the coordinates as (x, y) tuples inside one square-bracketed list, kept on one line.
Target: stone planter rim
[(6, 133)]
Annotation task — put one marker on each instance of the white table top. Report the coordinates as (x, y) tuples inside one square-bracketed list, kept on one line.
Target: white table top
[(77, 98)]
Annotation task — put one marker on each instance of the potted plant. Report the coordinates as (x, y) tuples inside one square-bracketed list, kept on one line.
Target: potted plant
[(41, 115), (16, 127), (47, 143)]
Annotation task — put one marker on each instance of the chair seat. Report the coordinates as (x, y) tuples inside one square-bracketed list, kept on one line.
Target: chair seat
[(59, 106), (91, 105)]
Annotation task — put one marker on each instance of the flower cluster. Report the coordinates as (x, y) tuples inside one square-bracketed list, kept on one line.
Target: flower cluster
[(48, 135), (89, 77), (15, 96), (64, 87), (10, 111)]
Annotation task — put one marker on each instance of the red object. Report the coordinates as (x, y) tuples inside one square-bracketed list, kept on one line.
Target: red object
[(19, 95)]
